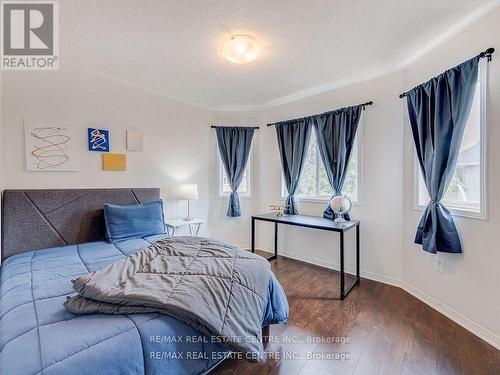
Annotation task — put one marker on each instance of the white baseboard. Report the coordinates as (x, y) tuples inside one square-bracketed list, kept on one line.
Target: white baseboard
[(450, 313), (458, 318), (335, 266)]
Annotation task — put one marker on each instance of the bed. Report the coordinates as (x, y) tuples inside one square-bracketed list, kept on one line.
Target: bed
[(37, 335)]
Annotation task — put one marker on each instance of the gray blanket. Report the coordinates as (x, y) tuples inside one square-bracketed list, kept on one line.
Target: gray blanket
[(214, 287)]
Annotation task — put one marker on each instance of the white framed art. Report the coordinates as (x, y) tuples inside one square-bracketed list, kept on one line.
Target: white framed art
[(50, 146), (134, 140)]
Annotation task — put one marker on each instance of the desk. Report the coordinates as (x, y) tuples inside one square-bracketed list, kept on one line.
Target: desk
[(174, 224), (314, 223)]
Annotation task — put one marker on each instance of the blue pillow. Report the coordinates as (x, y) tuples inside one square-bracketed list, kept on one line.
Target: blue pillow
[(131, 221)]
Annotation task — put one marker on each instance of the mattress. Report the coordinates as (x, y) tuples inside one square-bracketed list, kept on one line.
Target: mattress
[(37, 335)]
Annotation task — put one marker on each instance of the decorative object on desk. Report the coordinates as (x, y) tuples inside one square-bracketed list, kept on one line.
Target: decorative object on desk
[(134, 140), (49, 147), (98, 139), (279, 209), (114, 162), (186, 192), (340, 205)]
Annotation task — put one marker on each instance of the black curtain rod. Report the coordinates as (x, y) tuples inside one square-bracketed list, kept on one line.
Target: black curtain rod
[(215, 127), (363, 105), (482, 55)]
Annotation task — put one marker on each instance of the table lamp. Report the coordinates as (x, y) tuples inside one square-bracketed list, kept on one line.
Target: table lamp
[(186, 192)]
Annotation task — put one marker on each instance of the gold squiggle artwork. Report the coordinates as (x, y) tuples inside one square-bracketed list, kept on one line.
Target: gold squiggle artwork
[(52, 150)]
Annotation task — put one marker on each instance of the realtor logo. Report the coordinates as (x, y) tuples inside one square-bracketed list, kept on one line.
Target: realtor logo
[(30, 35)]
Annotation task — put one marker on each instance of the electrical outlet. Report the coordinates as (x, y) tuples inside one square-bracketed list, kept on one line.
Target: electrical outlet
[(439, 264)]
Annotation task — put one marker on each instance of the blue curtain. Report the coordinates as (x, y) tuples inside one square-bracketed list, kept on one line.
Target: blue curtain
[(293, 141), (234, 147), (335, 133), (438, 112)]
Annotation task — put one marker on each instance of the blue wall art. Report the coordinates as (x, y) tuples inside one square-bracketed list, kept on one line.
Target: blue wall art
[(98, 140)]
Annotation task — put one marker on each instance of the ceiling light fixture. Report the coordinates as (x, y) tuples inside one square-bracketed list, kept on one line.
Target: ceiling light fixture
[(241, 49)]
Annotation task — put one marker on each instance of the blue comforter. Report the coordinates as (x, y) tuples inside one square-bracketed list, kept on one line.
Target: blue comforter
[(37, 335)]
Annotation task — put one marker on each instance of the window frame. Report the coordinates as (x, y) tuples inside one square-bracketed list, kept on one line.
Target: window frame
[(220, 177), (326, 198), (460, 209)]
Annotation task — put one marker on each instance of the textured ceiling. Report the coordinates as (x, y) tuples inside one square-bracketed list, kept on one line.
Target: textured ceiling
[(171, 46)]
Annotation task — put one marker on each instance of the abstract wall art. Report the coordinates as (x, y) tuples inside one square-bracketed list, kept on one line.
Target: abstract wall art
[(134, 140), (114, 162), (50, 147), (98, 139)]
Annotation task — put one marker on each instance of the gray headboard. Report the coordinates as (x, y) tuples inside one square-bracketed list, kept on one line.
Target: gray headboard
[(37, 219)]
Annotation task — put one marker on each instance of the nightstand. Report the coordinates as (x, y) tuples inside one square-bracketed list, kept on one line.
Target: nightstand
[(194, 225)]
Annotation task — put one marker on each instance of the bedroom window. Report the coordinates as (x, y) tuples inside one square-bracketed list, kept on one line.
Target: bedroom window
[(314, 185), (466, 195), (244, 189)]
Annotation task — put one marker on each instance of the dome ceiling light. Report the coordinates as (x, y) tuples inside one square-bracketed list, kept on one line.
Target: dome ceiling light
[(241, 49)]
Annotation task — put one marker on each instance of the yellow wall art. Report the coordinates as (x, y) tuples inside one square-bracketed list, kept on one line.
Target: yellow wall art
[(114, 162)]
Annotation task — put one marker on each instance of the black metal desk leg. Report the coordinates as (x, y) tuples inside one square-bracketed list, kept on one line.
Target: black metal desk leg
[(357, 252), (253, 235), (276, 239), (342, 281)]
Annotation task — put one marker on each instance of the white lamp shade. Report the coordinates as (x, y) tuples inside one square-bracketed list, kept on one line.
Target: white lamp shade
[(183, 192)]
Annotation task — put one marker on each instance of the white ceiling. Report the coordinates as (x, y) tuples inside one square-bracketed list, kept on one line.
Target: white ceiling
[(171, 46)]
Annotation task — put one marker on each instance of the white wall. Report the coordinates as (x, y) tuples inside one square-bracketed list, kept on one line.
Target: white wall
[(180, 146), (176, 136), (234, 229), (469, 289), (382, 189)]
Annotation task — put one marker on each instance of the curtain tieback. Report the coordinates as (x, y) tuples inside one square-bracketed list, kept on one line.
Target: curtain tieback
[(433, 201)]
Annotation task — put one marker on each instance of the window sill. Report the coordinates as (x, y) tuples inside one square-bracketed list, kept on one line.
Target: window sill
[(241, 196), (468, 214), (318, 200)]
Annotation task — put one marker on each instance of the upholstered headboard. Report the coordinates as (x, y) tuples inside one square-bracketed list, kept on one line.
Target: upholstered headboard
[(37, 219)]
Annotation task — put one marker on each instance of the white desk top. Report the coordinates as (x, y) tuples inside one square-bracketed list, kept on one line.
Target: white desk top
[(308, 221), (176, 223)]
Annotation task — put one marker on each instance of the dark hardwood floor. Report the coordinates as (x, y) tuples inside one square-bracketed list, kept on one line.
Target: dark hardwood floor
[(385, 331)]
